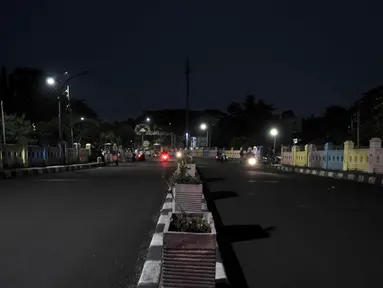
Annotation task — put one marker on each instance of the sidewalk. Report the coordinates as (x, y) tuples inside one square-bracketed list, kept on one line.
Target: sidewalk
[(21, 172)]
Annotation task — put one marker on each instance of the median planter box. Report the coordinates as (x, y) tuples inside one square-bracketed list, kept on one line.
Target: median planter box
[(189, 258), (187, 198)]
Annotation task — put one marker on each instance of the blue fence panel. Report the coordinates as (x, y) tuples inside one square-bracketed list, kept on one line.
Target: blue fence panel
[(335, 159)]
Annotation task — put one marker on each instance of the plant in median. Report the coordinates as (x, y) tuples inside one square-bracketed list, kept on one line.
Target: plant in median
[(191, 223), (183, 177)]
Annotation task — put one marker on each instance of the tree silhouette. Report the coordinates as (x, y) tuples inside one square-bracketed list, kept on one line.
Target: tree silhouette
[(17, 128)]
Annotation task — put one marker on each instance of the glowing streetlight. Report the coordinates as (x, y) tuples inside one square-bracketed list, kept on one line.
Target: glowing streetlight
[(82, 118), (204, 127), (147, 119), (51, 81), (274, 133)]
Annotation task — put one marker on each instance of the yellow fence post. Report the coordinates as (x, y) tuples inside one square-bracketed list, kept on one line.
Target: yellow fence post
[(294, 150), (348, 147)]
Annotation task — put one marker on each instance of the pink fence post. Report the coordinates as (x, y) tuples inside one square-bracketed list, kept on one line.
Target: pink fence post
[(374, 160)]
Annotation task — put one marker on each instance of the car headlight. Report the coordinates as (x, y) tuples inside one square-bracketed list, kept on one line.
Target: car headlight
[(252, 161), (179, 154)]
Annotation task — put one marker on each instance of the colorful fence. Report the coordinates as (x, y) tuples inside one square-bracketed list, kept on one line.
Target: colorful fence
[(333, 158), (17, 156), (229, 153)]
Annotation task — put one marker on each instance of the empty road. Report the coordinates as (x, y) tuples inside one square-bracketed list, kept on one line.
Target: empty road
[(295, 231), (86, 228)]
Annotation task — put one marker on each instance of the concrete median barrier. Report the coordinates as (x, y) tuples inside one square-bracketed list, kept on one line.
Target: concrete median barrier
[(23, 172), (357, 176)]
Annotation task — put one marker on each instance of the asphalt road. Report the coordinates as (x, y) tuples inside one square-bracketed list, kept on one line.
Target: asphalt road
[(86, 228), (295, 231)]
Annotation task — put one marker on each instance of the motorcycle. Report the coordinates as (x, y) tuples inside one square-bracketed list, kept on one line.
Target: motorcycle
[(164, 157), (222, 158)]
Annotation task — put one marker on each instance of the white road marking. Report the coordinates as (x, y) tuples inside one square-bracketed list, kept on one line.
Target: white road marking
[(55, 180), (260, 181)]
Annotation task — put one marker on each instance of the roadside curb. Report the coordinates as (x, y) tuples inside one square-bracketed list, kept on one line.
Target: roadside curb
[(356, 176), (152, 269), (22, 172)]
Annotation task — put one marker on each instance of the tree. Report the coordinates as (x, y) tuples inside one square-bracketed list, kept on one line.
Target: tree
[(371, 115), (336, 120), (82, 109), (238, 142), (288, 114), (17, 128), (46, 132), (234, 109), (125, 133)]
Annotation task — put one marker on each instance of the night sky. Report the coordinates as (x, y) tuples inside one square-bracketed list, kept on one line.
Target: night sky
[(302, 55)]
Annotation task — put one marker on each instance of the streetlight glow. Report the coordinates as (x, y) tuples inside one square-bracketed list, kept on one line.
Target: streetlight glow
[(148, 119), (51, 81), (273, 132), (82, 118), (204, 127)]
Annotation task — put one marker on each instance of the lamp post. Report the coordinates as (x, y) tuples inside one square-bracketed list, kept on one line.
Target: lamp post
[(61, 85), (274, 133), (204, 127), (81, 119)]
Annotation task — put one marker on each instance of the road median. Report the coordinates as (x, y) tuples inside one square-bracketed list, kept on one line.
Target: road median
[(152, 272)]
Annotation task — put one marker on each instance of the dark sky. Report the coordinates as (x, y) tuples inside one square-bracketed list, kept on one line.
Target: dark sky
[(301, 55)]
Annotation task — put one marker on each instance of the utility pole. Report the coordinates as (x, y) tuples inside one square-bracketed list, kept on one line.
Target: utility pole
[(60, 127), (3, 122), (187, 73), (70, 115), (357, 128)]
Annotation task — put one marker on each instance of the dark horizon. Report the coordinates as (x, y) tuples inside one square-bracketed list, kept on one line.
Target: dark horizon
[(293, 55)]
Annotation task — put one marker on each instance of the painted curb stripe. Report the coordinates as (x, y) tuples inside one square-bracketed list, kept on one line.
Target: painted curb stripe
[(359, 177)]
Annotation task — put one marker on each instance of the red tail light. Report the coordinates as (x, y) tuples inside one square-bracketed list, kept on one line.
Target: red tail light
[(139, 155), (164, 157)]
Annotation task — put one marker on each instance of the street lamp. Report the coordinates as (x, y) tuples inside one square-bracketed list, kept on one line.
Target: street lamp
[(82, 118), (51, 81), (60, 91), (147, 119), (274, 133), (204, 127)]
